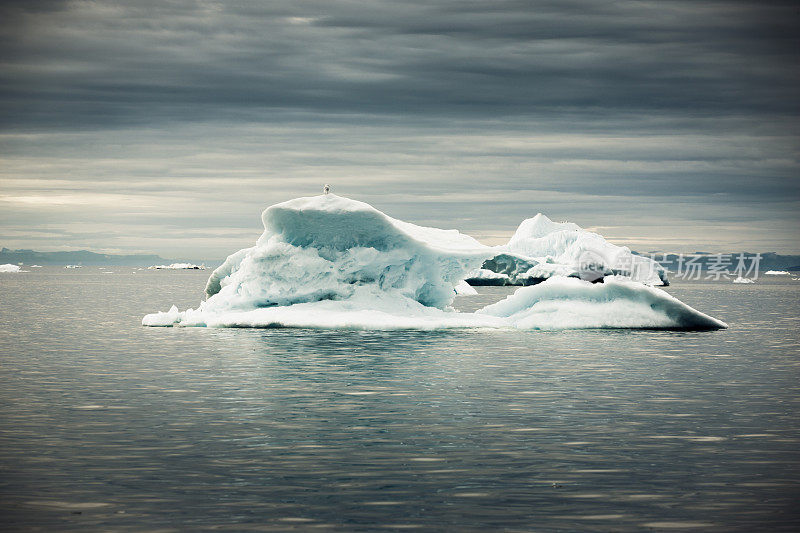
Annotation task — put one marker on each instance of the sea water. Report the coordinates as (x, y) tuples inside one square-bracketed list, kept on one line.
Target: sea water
[(108, 425)]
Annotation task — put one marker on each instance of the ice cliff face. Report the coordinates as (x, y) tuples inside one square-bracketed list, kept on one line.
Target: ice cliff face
[(328, 248), (328, 261)]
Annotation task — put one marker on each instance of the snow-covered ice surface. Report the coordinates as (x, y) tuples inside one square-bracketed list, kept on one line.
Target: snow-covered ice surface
[(740, 279), (570, 303), (465, 289), (332, 262), (776, 273), (8, 267)]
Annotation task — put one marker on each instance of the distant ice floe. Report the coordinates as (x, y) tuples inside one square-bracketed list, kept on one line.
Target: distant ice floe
[(9, 268), (74, 266), (777, 273), (36, 266), (740, 279), (178, 266), (331, 262)]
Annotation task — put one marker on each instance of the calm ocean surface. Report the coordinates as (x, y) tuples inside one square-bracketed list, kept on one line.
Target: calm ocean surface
[(107, 425)]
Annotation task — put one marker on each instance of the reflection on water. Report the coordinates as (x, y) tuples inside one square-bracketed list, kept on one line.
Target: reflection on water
[(108, 425)]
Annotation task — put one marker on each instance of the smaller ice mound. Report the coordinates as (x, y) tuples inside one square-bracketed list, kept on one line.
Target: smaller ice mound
[(570, 303), (776, 273), (36, 266), (541, 248), (178, 266), (740, 279), (74, 266), (9, 268)]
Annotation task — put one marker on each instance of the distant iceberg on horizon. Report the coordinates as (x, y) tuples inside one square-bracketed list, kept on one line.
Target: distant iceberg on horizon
[(177, 266), (331, 262)]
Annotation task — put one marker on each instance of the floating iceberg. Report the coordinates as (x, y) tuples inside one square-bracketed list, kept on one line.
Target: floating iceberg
[(740, 279), (8, 267), (541, 249), (74, 266), (178, 266), (332, 262), (776, 273)]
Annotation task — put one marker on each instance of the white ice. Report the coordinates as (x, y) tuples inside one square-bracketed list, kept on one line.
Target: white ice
[(463, 288), (178, 266), (564, 249), (8, 267), (740, 279), (486, 275), (776, 273), (332, 262), (570, 303)]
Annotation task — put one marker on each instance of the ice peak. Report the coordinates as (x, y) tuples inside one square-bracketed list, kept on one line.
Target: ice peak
[(539, 226)]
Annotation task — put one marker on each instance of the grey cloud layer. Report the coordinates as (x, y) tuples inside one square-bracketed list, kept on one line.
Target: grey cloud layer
[(105, 62), (146, 114)]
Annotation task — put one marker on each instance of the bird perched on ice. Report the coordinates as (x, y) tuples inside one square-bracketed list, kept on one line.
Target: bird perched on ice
[(326, 189)]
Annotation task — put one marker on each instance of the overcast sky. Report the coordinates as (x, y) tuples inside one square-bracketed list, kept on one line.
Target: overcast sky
[(168, 126)]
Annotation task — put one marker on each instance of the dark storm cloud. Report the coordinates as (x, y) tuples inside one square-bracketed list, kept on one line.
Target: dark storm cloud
[(101, 63)]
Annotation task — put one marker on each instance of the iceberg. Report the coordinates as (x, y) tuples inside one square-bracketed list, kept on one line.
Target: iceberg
[(740, 279), (332, 262), (776, 273), (541, 249), (8, 267), (178, 266)]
